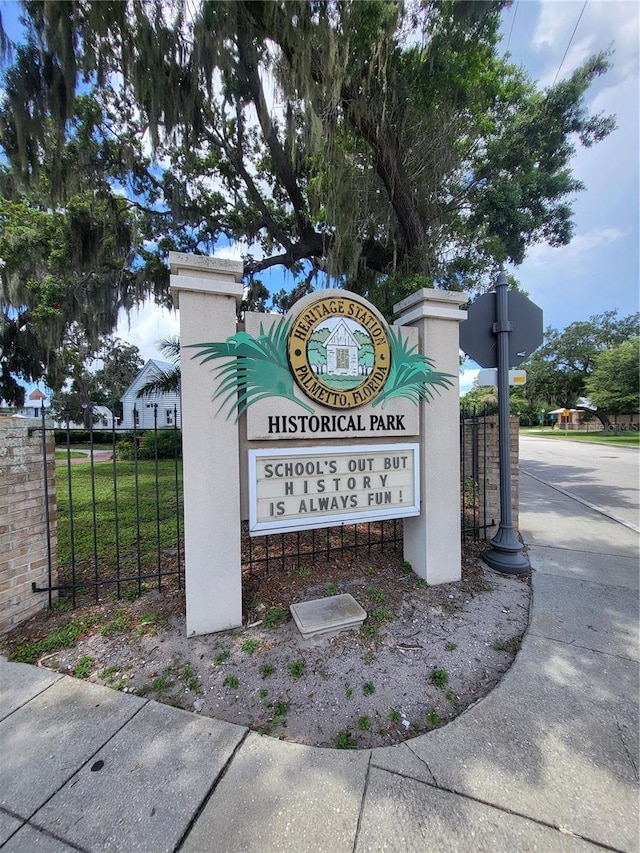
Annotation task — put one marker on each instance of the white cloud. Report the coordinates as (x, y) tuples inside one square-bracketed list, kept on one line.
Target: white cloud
[(595, 239), (235, 251), (467, 378), (146, 326), (232, 252), (551, 23), (577, 251), (603, 24)]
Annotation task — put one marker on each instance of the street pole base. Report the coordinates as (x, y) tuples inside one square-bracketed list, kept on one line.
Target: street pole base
[(508, 562), (506, 554)]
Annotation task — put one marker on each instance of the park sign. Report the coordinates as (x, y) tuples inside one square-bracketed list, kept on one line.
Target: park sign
[(331, 369), (312, 420)]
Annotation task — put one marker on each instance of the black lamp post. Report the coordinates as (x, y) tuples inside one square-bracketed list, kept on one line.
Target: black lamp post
[(507, 552)]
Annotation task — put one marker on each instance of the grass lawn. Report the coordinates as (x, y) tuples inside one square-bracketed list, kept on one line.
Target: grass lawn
[(149, 519), (628, 439), (84, 449), (73, 454)]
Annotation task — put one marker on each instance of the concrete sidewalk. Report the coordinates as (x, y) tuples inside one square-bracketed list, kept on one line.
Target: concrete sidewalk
[(548, 761)]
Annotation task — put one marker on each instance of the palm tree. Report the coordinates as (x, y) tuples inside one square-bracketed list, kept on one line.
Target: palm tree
[(168, 381)]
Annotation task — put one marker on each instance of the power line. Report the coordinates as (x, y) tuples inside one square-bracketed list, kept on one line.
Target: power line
[(569, 45), (513, 20)]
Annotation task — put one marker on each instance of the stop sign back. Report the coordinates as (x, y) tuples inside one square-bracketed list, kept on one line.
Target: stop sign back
[(479, 341)]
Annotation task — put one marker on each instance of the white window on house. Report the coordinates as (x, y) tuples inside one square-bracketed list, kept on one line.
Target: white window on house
[(168, 417), (136, 415)]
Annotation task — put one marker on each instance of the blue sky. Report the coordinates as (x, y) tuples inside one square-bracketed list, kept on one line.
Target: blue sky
[(599, 270)]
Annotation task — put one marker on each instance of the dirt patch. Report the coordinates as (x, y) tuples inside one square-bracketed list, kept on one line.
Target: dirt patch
[(423, 655)]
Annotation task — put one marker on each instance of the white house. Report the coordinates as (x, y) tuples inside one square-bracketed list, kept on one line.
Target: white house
[(168, 404), (33, 404), (103, 417), (37, 400)]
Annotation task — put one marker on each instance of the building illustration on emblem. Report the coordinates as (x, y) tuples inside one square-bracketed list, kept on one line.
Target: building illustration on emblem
[(342, 351)]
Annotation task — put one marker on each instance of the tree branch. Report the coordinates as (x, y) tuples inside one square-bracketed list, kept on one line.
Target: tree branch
[(387, 160), (248, 70)]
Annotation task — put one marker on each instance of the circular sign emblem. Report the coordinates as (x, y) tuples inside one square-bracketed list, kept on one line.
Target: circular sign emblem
[(339, 352)]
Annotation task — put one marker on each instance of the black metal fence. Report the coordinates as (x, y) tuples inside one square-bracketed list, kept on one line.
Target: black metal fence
[(286, 551), (119, 507), (474, 455), (119, 515)]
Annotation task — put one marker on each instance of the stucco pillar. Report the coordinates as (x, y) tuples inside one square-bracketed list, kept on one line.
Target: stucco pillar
[(432, 539), (207, 291)]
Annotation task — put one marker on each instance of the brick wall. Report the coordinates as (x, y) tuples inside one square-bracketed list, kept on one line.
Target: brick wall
[(485, 459), (23, 526)]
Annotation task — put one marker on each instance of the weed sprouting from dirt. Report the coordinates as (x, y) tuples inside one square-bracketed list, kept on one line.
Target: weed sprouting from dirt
[(439, 678), (120, 624), (511, 647), (450, 696), (250, 645), (345, 740), (297, 669), (274, 616), (84, 666), (189, 679), (281, 708), (64, 637), (433, 718), (161, 686)]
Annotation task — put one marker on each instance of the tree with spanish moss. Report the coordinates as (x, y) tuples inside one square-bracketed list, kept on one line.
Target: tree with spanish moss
[(381, 146)]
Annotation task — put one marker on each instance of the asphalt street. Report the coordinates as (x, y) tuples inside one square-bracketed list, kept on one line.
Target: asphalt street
[(603, 477)]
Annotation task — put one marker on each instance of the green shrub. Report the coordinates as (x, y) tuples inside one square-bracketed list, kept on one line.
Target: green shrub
[(124, 449), (168, 441), (82, 436)]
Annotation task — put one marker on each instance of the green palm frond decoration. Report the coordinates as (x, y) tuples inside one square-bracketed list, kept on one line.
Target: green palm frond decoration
[(255, 369), (411, 375)]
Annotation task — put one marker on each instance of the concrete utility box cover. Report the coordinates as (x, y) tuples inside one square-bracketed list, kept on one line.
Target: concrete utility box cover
[(330, 615)]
